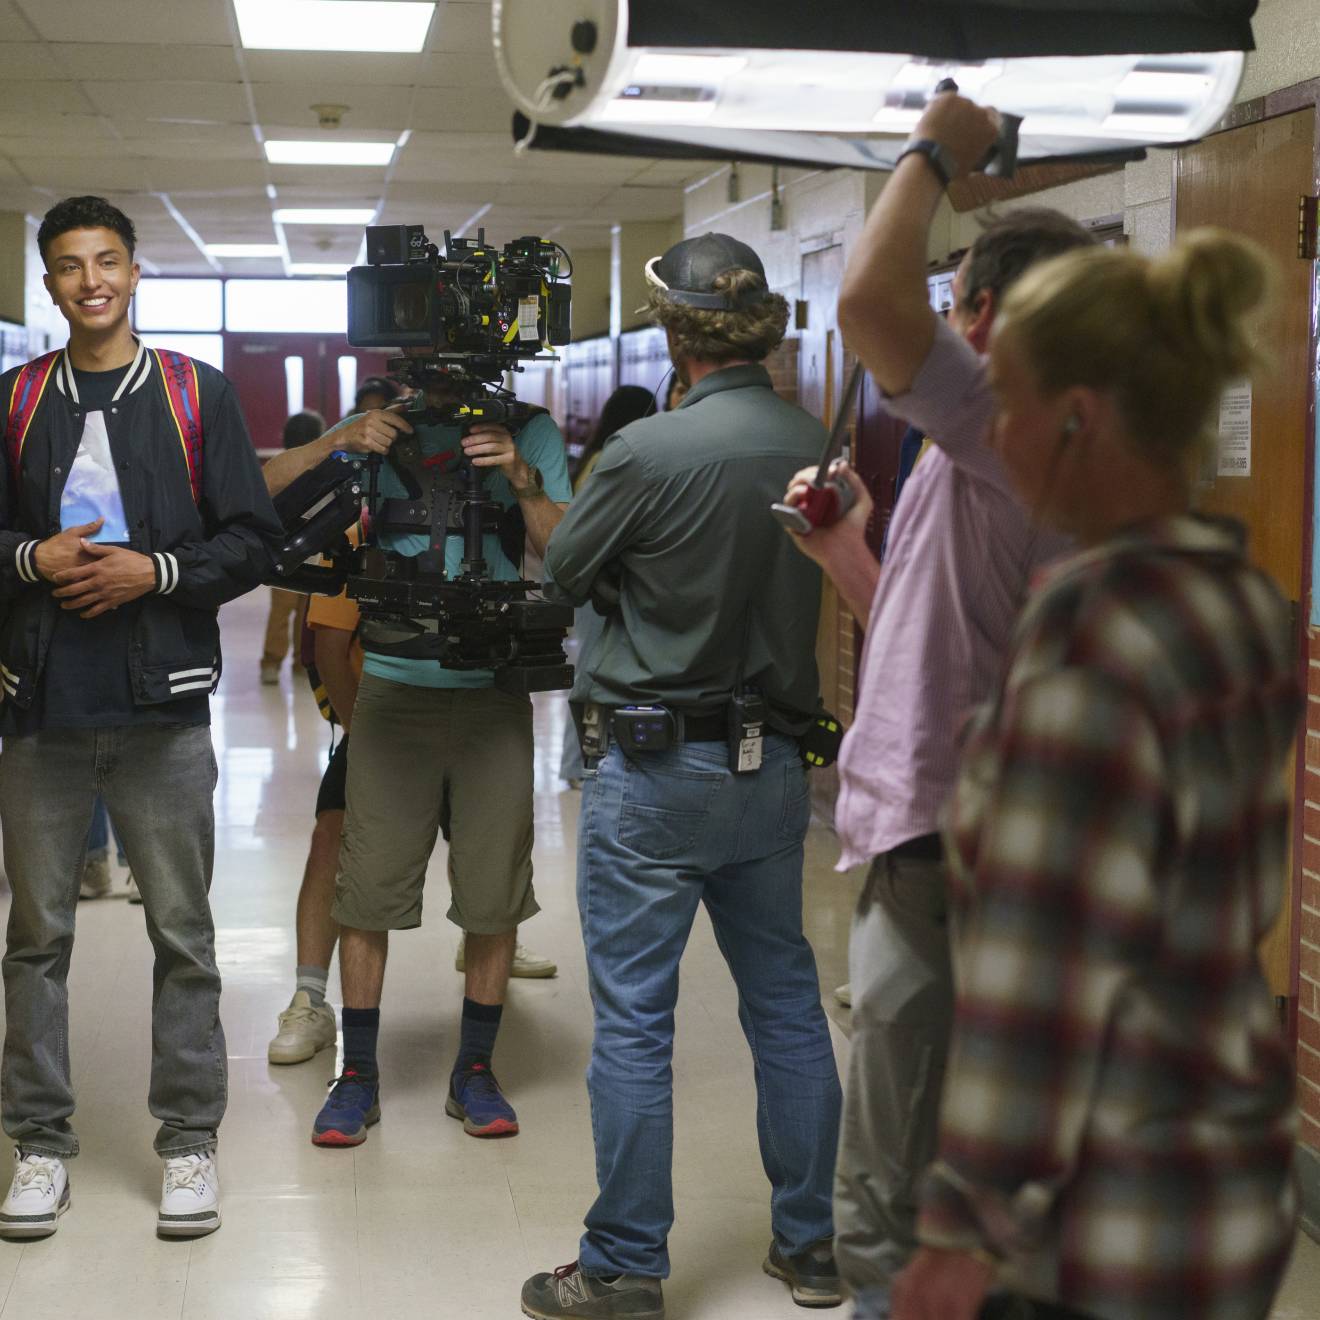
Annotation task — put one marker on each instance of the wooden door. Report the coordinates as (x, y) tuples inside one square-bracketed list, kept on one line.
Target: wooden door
[(1249, 181)]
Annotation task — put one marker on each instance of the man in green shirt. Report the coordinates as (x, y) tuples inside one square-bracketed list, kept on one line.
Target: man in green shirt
[(437, 748), (706, 600)]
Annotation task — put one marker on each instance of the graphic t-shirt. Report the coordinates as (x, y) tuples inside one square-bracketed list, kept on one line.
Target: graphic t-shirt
[(541, 445), (85, 683)]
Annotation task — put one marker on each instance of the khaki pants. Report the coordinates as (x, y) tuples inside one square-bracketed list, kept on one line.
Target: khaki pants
[(432, 759), (287, 611), (902, 990)]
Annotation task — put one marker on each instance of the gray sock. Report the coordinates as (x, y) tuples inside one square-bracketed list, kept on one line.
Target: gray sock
[(314, 981)]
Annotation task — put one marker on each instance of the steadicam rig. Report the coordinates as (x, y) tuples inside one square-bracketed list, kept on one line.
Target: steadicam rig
[(463, 317)]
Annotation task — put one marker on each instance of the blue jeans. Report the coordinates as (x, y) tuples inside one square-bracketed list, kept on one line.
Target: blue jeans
[(659, 835), (157, 781)]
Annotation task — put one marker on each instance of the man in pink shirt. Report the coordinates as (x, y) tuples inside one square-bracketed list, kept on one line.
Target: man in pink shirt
[(960, 555)]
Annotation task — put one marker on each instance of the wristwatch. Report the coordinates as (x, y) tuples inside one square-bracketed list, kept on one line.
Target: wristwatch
[(535, 484), (937, 157)]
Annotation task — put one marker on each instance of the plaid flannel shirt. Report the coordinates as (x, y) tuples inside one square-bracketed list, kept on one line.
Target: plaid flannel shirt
[(1117, 1121)]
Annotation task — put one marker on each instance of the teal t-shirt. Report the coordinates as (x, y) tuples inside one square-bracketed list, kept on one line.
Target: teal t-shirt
[(541, 444)]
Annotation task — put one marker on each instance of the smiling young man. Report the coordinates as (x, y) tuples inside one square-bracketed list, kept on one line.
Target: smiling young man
[(131, 507)]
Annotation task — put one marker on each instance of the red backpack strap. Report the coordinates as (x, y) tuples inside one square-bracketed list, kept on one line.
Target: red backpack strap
[(179, 374), (29, 389)]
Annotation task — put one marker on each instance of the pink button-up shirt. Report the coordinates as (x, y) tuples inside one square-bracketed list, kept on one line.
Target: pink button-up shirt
[(962, 551)]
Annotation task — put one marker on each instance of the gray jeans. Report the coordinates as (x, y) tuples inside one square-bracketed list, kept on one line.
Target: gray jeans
[(902, 994), (158, 782)]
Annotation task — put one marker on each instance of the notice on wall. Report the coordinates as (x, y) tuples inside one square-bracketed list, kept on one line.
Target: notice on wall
[(1235, 430)]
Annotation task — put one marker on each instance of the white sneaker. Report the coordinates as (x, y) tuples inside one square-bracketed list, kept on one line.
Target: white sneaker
[(843, 995), (96, 880), (190, 1199), (270, 674), (531, 966), (134, 895), (305, 1028), (37, 1198)]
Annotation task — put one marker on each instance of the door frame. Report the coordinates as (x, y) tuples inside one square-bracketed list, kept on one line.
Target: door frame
[(1273, 105)]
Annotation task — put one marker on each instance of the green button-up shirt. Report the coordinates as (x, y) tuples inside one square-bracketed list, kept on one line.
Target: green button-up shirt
[(676, 521)]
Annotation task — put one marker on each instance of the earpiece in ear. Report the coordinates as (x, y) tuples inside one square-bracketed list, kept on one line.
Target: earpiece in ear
[(1071, 426)]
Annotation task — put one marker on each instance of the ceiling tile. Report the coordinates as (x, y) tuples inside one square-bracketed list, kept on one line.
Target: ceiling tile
[(331, 68), (26, 61), (370, 108), (43, 98), (122, 22), (461, 28), (149, 100), (73, 174), (96, 63), (471, 110), (473, 69), (54, 132), (13, 25)]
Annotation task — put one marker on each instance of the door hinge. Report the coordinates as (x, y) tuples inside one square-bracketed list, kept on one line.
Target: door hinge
[(1308, 228)]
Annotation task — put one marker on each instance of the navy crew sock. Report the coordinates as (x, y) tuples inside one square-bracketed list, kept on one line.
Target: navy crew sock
[(476, 1042), (361, 1027)]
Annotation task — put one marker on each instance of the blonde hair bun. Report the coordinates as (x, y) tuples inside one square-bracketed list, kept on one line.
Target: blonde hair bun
[(1164, 336), (1204, 290)]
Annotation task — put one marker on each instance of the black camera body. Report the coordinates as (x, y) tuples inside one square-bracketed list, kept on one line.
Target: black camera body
[(469, 299), (463, 318)]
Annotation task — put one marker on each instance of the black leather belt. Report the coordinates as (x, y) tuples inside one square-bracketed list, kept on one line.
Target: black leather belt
[(924, 848), (702, 728)]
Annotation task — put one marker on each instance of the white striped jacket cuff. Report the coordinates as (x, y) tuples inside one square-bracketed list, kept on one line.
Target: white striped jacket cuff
[(167, 572), (25, 561)]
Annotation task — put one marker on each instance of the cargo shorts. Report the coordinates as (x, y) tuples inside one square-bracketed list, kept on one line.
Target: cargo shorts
[(427, 759)]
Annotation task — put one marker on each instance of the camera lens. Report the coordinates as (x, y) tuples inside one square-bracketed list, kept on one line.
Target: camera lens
[(409, 307)]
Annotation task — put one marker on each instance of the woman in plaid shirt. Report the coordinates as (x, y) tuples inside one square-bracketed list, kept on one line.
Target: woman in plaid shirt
[(1117, 1123)]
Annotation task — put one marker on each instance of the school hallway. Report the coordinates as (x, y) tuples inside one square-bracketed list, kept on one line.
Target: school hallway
[(421, 1220)]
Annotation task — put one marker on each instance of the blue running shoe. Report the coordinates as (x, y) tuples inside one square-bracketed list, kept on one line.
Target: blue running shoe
[(352, 1106), (476, 1098)]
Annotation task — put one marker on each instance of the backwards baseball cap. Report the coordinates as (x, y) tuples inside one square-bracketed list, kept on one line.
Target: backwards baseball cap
[(387, 389), (687, 273)]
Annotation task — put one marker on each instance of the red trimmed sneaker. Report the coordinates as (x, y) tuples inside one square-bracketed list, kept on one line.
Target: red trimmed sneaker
[(476, 1098), (352, 1106)]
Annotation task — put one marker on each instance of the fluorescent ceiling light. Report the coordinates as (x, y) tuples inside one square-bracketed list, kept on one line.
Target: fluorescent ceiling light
[(329, 151), (1070, 105), (318, 267), (244, 250), (686, 69), (313, 215), (356, 25)]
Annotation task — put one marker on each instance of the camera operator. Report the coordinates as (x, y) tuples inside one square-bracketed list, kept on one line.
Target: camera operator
[(961, 552), (308, 1024), (433, 749), (713, 612)]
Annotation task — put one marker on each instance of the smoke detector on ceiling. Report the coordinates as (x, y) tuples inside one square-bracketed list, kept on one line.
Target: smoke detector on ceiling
[(329, 116)]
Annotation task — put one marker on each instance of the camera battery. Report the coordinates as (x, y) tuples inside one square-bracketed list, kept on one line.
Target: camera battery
[(746, 732)]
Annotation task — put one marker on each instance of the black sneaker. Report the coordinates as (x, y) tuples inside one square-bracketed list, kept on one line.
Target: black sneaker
[(568, 1294), (812, 1275)]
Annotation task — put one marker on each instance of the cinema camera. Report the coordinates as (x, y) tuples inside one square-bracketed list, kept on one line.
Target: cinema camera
[(463, 316)]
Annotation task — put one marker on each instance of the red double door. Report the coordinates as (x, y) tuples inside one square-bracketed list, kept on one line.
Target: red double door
[(261, 366)]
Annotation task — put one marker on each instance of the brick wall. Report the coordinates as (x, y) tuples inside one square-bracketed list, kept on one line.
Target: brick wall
[(1308, 995)]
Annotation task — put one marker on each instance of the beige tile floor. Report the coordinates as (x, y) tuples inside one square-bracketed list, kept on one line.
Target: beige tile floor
[(421, 1221)]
